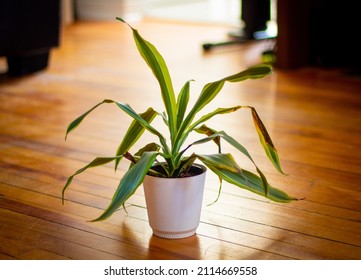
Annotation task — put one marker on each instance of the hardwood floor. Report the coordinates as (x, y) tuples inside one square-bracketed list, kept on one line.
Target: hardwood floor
[(313, 116)]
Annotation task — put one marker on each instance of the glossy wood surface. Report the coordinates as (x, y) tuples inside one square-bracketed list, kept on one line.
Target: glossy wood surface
[(313, 116)]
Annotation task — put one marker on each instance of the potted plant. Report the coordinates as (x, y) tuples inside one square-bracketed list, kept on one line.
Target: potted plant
[(161, 165)]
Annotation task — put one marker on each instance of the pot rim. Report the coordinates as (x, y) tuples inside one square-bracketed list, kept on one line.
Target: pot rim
[(202, 167)]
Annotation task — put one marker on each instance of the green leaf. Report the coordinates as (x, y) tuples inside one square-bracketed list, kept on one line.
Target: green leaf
[(251, 182), (96, 162), (223, 135), (220, 161), (75, 123), (129, 183), (151, 147), (225, 167), (149, 114), (129, 110), (184, 166), (253, 72), (209, 131), (164, 118), (135, 130), (211, 90), (208, 116), (266, 141), (204, 119), (235, 144), (219, 190), (160, 70), (182, 103)]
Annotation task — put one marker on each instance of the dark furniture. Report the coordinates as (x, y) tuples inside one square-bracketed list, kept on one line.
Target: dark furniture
[(321, 33), (318, 32), (28, 31), (255, 14)]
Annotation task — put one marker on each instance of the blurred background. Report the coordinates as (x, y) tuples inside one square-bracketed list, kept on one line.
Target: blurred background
[(310, 32), (208, 11)]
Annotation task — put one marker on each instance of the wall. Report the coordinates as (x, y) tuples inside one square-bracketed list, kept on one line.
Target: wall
[(109, 9)]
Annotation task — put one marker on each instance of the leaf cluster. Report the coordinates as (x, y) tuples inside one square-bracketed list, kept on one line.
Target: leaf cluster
[(182, 119)]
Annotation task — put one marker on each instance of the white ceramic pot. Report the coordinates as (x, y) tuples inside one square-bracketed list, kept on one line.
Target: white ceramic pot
[(174, 204)]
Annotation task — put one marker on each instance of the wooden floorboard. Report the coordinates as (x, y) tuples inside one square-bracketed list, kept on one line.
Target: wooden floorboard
[(312, 114)]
